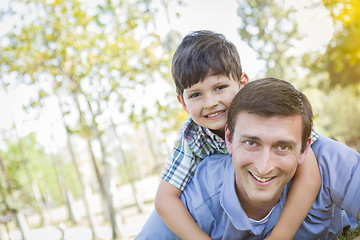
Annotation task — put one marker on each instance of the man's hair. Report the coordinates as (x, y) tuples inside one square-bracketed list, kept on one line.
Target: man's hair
[(269, 97), (203, 53)]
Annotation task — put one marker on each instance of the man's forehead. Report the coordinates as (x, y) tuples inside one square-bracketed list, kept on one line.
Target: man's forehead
[(277, 127)]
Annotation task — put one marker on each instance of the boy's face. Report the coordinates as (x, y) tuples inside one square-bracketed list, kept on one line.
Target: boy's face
[(208, 101)]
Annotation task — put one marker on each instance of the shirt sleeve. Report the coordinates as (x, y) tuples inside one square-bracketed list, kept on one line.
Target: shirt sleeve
[(340, 171), (180, 166)]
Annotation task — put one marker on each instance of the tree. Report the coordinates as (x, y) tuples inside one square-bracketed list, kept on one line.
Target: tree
[(270, 28), (342, 57), (15, 196), (88, 55)]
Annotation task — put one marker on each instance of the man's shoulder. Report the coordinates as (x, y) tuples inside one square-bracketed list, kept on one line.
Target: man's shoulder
[(208, 178), (338, 165), (213, 165), (327, 147)]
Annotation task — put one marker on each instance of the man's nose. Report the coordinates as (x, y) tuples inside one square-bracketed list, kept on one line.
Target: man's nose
[(264, 163)]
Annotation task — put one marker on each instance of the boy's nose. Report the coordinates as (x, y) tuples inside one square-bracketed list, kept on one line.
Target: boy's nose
[(210, 101)]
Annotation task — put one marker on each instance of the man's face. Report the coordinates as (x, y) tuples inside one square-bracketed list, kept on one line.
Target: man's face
[(265, 154), (208, 101)]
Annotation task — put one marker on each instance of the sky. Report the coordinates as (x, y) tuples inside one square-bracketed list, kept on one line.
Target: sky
[(219, 16)]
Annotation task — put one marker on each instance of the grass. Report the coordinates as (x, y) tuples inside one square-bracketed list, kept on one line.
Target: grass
[(350, 234)]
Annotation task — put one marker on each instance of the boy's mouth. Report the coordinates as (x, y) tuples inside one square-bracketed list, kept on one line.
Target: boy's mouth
[(211, 115)]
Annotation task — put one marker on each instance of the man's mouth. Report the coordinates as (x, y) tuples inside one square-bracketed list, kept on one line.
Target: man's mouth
[(260, 179)]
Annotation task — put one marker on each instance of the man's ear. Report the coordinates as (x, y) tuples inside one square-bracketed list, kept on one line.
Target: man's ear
[(181, 101), (244, 80), (228, 139), (307, 147)]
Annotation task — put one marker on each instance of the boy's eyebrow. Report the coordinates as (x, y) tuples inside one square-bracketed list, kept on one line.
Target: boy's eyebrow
[(217, 83), (189, 91)]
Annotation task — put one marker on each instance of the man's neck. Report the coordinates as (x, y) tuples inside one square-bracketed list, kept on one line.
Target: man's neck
[(255, 210)]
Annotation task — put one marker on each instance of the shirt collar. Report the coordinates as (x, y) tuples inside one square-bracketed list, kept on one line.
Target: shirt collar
[(233, 207), (198, 137)]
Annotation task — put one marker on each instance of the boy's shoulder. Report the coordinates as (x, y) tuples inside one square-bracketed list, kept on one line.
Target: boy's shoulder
[(189, 129), (200, 140)]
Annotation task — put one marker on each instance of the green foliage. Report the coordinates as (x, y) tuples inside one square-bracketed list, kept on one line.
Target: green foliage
[(16, 194), (40, 168), (269, 27), (340, 62), (342, 57), (89, 55), (128, 170), (13, 198), (339, 115), (350, 234), (99, 52), (331, 79), (71, 179)]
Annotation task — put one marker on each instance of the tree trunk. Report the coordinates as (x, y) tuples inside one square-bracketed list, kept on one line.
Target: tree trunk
[(59, 174), (137, 197), (105, 194), (21, 222), (86, 201), (64, 190), (34, 186)]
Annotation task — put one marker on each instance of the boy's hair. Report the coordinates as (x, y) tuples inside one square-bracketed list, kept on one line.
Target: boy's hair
[(203, 53), (268, 97)]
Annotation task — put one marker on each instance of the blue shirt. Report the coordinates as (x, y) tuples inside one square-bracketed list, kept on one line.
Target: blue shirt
[(212, 201)]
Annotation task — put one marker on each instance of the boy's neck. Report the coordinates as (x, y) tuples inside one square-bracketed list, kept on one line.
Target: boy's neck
[(220, 133)]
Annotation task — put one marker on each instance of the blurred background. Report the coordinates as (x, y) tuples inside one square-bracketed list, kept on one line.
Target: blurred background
[(88, 110)]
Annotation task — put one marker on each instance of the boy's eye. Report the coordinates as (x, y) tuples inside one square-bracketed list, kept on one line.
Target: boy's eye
[(220, 87), (194, 95)]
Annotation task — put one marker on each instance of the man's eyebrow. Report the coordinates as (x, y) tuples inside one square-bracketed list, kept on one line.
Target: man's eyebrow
[(287, 142), (250, 137), (255, 138)]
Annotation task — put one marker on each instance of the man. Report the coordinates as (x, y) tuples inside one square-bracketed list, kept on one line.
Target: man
[(241, 196)]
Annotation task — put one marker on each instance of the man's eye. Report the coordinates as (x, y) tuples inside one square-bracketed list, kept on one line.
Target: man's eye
[(284, 147), (194, 95), (250, 142)]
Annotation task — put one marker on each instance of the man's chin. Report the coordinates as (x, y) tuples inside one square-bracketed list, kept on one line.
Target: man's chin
[(264, 198)]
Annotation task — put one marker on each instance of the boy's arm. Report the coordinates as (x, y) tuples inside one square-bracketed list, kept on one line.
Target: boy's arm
[(302, 194), (174, 213)]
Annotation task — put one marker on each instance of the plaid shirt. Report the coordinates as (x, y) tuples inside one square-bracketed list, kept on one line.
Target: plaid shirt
[(195, 143)]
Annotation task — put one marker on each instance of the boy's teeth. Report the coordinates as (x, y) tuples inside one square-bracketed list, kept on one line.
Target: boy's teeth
[(214, 114), (261, 179)]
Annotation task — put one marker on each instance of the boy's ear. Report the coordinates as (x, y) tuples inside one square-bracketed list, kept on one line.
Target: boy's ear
[(181, 101), (244, 80), (227, 139), (303, 155)]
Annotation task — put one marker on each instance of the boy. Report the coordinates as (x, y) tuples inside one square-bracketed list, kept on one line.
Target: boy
[(207, 72)]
